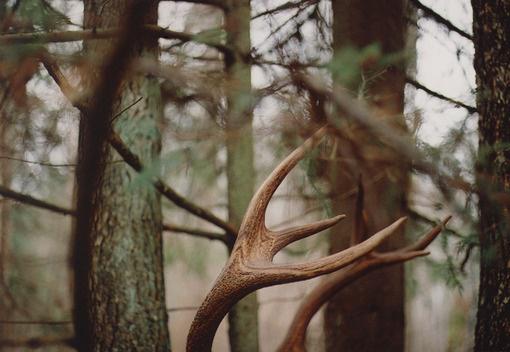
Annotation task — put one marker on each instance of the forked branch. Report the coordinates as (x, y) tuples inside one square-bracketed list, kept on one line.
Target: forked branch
[(251, 266)]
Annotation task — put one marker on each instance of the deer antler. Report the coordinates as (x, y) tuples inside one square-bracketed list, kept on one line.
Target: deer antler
[(296, 335), (250, 265)]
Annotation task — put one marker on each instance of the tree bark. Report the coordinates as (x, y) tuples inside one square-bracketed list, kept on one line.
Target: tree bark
[(123, 261), (243, 317), (369, 314), (491, 27)]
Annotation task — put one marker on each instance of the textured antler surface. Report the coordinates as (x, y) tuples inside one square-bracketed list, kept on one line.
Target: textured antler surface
[(251, 266)]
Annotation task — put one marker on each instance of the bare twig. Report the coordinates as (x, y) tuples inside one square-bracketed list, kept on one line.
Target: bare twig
[(289, 5), (216, 3), (428, 12), (169, 193), (26, 199), (417, 85), (37, 342), (195, 232), (42, 163), (134, 161), (35, 322)]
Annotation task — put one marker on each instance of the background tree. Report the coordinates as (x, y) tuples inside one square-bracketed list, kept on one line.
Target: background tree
[(119, 289), (243, 318), (491, 27), (289, 54), (375, 31)]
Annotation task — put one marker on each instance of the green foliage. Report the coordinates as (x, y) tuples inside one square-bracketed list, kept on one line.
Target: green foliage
[(194, 254), (211, 36), (41, 15), (347, 64)]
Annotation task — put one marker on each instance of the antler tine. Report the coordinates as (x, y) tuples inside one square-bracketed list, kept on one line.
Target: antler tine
[(287, 236), (296, 335), (255, 213), (330, 263), (426, 239)]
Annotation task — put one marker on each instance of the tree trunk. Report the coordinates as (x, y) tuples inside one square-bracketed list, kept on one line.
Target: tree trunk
[(369, 314), (243, 318), (491, 27), (125, 298)]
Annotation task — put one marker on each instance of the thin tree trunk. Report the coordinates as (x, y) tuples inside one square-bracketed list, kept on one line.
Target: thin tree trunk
[(243, 318), (491, 27), (369, 314), (125, 293)]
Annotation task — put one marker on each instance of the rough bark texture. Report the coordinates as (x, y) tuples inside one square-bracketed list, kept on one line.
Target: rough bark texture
[(369, 314), (243, 317), (125, 299), (491, 27)]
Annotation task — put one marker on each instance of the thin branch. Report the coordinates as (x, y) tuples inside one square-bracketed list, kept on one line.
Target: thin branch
[(41, 163), (35, 322), (216, 3), (26, 199), (134, 161), (23, 198), (182, 309), (428, 12), (37, 342), (417, 85), (88, 34), (195, 232), (71, 93), (284, 7)]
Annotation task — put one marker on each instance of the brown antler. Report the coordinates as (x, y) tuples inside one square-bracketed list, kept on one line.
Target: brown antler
[(250, 265), (296, 335)]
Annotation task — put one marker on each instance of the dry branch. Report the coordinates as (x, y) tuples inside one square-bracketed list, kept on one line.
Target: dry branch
[(99, 33), (26, 199), (134, 161), (428, 12), (37, 342), (418, 85)]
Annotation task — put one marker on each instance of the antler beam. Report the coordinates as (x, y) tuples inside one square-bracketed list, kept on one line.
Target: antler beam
[(251, 266), (296, 336)]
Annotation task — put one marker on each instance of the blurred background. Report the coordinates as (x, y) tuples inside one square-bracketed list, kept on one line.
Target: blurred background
[(39, 137)]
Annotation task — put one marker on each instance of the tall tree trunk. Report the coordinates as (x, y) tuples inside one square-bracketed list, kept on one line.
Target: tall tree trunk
[(491, 27), (125, 293), (243, 318), (369, 314)]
